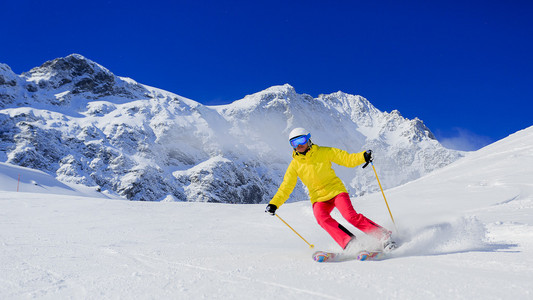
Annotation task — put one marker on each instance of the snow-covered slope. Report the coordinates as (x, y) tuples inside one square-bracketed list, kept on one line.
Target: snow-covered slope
[(467, 233), (74, 119), (20, 179)]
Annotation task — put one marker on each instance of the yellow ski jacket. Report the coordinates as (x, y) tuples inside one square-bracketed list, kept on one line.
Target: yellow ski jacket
[(314, 170)]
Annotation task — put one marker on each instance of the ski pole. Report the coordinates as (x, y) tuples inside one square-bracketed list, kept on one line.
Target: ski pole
[(383, 193), (310, 245)]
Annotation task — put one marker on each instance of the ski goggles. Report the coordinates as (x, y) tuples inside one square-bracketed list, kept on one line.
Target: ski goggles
[(300, 140)]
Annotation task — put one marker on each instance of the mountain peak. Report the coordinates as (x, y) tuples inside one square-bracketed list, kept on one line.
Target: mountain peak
[(72, 66), (276, 91), (77, 74), (264, 97), (283, 89)]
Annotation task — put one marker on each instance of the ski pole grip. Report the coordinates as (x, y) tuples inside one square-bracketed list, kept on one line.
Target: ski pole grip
[(366, 164)]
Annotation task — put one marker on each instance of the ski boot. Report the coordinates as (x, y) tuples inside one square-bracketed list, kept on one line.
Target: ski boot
[(387, 243)]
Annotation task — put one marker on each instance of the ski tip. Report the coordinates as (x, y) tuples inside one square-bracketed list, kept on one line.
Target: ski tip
[(322, 256), (363, 255), (366, 255)]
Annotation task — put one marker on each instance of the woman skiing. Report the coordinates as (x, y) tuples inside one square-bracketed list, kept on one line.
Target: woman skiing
[(312, 164)]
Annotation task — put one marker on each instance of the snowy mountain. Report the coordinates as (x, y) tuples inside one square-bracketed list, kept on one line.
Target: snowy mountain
[(74, 119), (465, 232)]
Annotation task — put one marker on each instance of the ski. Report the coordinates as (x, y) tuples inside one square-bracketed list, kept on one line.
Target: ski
[(324, 256), (373, 255)]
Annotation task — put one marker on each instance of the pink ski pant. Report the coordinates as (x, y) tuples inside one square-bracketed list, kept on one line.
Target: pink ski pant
[(339, 233)]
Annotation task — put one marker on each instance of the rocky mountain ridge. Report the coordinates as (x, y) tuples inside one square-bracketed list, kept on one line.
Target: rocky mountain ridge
[(76, 120)]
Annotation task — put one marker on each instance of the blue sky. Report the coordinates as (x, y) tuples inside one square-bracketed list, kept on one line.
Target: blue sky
[(464, 67)]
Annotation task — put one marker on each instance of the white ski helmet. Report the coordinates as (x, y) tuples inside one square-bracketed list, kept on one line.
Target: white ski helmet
[(297, 132), (299, 136)]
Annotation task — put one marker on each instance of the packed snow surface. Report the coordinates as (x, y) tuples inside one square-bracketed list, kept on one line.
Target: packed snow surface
[(465, 232)]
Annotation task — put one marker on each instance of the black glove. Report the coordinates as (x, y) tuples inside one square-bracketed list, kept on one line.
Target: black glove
[(368, 156), (271, 209)]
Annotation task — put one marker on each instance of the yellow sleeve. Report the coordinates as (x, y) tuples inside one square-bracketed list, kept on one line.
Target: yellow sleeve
[(286, 187), (346, 159)]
